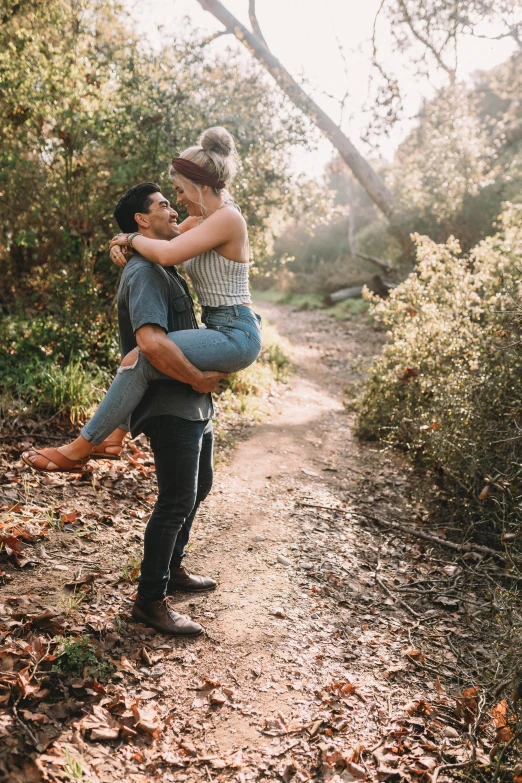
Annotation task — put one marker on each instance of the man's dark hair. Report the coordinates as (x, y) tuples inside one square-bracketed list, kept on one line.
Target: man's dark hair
[(136, 199)]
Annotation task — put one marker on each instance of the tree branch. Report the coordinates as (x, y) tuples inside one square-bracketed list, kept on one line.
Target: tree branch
[(373, 184), (255, 24), (425, 42), (213, 37)]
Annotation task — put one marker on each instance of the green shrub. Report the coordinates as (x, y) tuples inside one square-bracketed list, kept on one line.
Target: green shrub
[(444, 389)]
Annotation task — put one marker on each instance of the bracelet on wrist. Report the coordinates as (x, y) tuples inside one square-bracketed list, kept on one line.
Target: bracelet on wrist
[(133, 236)]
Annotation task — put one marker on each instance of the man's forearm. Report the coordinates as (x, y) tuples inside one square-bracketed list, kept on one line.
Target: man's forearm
[(166, 357), (169, 359)]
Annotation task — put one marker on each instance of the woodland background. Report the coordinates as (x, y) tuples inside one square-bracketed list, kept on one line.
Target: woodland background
[(422, 565), (89, 108)]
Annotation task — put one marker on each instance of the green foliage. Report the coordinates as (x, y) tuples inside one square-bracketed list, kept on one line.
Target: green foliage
[(312, 252), (432, 189), (450, 176), (340, 311), (299, 301), (89, 110), (131, 570), (78, 656), (48, 389), (48, 367), (462, 160), (443, 388), (343, 311), (275, 356)]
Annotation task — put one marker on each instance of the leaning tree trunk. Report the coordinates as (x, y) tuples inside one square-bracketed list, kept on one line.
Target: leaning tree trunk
[(372, 183), (351, 220)]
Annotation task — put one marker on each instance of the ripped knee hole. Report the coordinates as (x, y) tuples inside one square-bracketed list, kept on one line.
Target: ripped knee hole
[(132, 360)]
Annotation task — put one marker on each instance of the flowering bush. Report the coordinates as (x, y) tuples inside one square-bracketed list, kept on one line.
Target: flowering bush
[(447, 387)]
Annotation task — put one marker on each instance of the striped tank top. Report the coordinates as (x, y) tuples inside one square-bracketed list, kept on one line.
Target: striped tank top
[(217, 280)]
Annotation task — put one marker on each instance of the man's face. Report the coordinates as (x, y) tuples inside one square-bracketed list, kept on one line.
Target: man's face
[(160, 222)]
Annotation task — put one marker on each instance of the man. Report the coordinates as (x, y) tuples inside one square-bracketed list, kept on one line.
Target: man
[(176, 415)]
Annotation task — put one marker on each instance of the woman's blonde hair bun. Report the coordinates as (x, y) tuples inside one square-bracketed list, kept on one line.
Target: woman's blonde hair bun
[(218, 140), (216, 153)]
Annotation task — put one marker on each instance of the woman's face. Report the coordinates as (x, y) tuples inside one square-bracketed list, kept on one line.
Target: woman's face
[(183, 198)]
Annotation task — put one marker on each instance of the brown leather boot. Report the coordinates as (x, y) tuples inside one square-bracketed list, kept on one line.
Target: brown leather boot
[(180, 579), (158, 615)]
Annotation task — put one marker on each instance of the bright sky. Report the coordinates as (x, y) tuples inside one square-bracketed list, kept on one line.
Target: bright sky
[(305, 35)]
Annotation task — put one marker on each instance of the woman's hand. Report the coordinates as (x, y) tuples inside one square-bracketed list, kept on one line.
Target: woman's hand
[(118, 249), (118, 255)]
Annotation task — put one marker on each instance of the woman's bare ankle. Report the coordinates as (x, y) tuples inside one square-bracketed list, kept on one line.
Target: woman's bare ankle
[(77, 449)]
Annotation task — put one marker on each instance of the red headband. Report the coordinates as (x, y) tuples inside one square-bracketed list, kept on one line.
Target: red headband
[(195, 173)]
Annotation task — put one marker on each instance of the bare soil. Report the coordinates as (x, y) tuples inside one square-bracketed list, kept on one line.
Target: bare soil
[(335, 650)]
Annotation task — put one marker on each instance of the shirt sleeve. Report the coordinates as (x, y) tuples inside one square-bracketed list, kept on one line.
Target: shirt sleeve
[(148, 298)]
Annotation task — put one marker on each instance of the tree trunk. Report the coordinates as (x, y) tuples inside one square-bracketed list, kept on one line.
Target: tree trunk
[(382, 263), (372, 183), (351, 221)]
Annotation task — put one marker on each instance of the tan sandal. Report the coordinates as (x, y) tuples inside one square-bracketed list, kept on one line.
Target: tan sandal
[(100, 452), (63, 463)]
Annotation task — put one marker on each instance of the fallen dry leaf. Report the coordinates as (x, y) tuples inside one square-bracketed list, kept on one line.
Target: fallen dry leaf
[(499, 713)]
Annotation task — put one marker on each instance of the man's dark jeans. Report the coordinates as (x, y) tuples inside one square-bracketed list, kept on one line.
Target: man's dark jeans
[(184, 469)]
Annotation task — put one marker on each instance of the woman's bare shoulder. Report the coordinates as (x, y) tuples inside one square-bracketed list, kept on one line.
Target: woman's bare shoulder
[(229, 216)]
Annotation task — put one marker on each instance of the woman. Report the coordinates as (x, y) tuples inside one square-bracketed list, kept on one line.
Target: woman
[(214, 247)]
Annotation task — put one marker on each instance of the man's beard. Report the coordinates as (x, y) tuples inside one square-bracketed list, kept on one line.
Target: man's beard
[(166, 235)]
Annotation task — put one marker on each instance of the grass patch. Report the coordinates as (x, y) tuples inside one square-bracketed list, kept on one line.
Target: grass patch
[(342, 311), (131, 570), (49, 368), (47, 389), (39, 379), (299, 301)]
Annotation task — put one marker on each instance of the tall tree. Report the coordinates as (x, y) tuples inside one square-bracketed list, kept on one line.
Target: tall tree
[(371, 181)]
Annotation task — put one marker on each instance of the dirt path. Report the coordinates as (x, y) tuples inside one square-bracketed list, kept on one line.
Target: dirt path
[(316, 666)]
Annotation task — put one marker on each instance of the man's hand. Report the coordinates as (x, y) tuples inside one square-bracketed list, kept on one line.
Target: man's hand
[(168, 358), (209, 381)]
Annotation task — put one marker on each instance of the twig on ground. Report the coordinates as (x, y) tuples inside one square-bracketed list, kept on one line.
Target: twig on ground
[(444, 767), (318, 505), (398, 600), (232, 675), (500, 687), (76, 560), (24, 726), (462, 548), (506, 747)]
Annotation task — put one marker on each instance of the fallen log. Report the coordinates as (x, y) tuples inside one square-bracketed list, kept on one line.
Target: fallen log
[(345, 293), (376, 285)]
